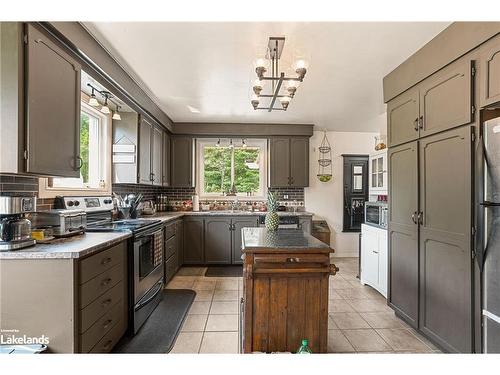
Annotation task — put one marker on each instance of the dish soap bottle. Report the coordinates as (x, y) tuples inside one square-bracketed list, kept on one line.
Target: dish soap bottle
[(304, 349)]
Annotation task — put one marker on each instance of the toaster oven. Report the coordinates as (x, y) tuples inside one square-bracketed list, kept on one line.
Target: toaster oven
[(63, 223), (376, 214)]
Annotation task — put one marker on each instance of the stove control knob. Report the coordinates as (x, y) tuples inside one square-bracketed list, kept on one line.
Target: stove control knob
[(77, 203), (70, 203)]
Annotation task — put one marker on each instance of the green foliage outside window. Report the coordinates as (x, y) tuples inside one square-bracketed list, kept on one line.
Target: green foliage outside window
[(84, 146), (217, 169)]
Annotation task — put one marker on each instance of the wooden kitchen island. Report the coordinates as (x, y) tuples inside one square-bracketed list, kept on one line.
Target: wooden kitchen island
[(285, 289)]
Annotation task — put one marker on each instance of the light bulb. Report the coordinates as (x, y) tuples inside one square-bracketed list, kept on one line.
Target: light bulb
[(285, 100), (93, 101), (292, 84), (105, 109), (260, 63), (116, 116), (300, 64)]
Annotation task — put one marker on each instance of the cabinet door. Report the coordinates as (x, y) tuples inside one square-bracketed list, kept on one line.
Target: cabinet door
[(403, 231), (218, 240), (145, 131), (382, 262), (446, 99), (279, 162), (490, 73), (305, 223), (402, 118), (157, 156), (299, 162), (182, 161), (53, 108), (179, 236), (238, 224), (193, 251), (445, 239), (166, 160), (369, 256)]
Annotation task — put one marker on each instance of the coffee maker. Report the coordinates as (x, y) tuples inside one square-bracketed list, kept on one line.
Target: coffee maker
[(15, 228)]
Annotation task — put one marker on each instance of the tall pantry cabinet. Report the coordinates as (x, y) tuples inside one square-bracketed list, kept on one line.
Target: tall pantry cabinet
[(430, 206)]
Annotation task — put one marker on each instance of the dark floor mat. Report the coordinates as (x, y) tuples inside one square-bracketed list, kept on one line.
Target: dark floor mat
[(224, 271), (159, 332)]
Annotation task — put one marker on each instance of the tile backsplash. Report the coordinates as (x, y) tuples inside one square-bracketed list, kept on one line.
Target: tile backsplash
[(27, 185)]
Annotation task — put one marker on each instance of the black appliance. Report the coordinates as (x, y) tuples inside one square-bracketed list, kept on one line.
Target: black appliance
[(285, 221), (145, 253), (488, 252), (376, 214)]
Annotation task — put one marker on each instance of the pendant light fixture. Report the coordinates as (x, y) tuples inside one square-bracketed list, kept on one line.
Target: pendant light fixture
[(105, 108), (116, 114), (93, 100), (283, 87)]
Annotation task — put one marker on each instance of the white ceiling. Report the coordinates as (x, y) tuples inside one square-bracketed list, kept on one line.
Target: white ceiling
[(208, 66)]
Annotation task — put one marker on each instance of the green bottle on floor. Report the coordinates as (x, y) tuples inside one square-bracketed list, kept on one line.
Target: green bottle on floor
[(304, 349)]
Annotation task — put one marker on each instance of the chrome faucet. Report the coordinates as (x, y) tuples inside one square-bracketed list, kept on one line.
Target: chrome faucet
[(234, 204)]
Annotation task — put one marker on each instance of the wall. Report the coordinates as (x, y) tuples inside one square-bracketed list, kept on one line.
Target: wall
[(325, 200)]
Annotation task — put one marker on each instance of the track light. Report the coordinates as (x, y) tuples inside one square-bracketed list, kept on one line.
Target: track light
[(116, 115), (93, 101), (105, 108)]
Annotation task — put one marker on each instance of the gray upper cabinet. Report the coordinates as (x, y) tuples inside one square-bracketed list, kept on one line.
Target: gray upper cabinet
[(279, 162), (145, 130), (299, 162), (181, 171), (166, 160), (446, 99), (157, 157), (52, 108), (402, 118), (445, 239), (125, 132), (218, 240), (193, 241), (238, 224), (403, 231), (490, 73), (289, 162)]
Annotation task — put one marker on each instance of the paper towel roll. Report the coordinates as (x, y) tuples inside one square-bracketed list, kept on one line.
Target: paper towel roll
[(196, 203)]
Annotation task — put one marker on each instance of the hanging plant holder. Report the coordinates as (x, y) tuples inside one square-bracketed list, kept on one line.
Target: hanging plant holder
[(325, 168)]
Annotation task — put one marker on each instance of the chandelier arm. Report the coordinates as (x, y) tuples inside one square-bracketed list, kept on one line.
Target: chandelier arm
[(276, 92)]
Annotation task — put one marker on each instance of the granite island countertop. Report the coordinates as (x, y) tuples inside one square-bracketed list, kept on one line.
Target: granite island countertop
[(282, 240), (69, 247)]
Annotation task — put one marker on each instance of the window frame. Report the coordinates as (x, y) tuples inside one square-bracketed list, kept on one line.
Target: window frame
[(201, 143), (47, 191)]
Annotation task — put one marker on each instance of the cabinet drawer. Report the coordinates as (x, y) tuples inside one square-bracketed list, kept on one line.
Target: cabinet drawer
[(110, 339), (286, 263), (96, 264), (170, 247), (90, 314), (100, 284), (96, 332), (169, 230), (170, 268)]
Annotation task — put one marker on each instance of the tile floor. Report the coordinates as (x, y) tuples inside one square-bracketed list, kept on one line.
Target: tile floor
[(359, 319)]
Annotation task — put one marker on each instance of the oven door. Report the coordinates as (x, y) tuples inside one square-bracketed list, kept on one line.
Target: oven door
[(372, 214), (148, 262)]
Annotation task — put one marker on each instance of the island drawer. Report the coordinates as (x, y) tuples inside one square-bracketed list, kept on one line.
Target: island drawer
[(169, 230), (91, 313), (94, 265), (283, 263), (95, 287), (110, 339), (170, 268), (95, 333)]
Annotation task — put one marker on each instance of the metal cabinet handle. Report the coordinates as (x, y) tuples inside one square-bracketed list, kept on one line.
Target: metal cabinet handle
[(421, 122), (106, 302), (105, 260), (107, 323), (420, 218), (375, 252), (415, 125), (414, 217), (292, 260), (80, 162)]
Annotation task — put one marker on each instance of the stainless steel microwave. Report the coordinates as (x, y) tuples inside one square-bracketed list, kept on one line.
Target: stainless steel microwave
[(376, 214)]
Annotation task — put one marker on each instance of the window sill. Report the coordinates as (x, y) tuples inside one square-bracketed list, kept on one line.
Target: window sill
[(45, 191), (230, 198)]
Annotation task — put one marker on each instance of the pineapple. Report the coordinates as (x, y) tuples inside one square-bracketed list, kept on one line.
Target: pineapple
[(272, 218)]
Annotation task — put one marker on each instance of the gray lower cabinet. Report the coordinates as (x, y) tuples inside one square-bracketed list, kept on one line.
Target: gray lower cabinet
[(289, 162), (218, 240), (445, 239), (237, 224), (403, 232), (52, 107), (181, 167), (193, 247)]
